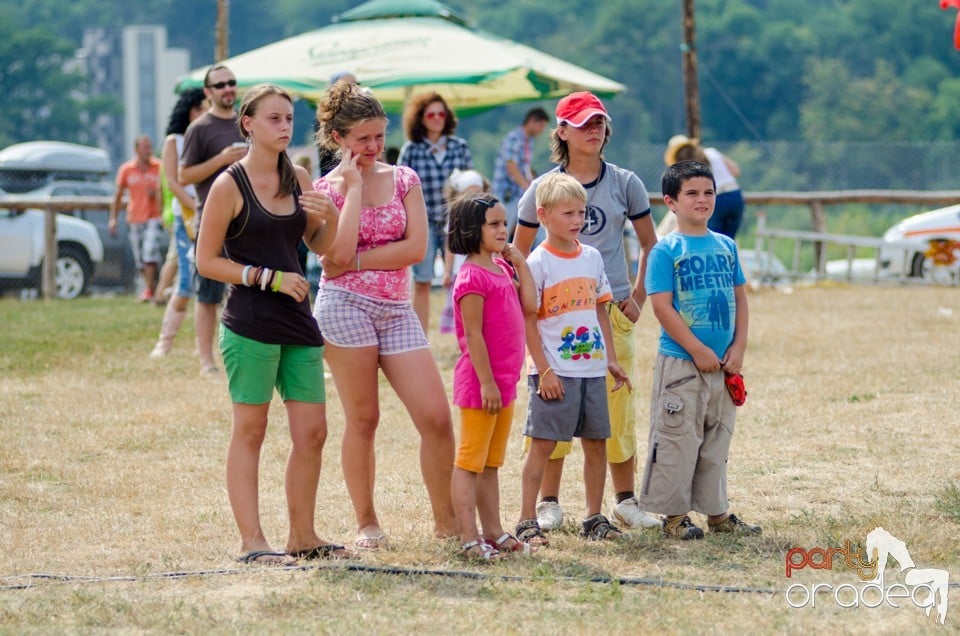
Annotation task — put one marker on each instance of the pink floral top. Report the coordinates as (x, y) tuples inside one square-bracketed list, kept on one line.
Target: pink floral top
[(378, 226)]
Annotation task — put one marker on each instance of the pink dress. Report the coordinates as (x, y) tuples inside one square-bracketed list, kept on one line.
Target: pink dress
[(378, 226), (503, 333)]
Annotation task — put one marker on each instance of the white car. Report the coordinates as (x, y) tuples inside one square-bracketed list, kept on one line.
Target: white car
[(79, 251), (925, 245)]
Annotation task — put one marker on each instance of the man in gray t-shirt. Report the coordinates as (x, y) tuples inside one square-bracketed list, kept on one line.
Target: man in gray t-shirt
[(211, 143)]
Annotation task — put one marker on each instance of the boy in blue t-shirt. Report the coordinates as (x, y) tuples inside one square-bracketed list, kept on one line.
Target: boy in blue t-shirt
[(695, 286)]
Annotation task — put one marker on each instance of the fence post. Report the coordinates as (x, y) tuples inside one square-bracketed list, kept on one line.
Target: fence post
[(819, 219), (48, 283)]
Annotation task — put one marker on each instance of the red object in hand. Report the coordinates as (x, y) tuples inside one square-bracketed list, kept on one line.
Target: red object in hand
[(736, 388), (946, 4)]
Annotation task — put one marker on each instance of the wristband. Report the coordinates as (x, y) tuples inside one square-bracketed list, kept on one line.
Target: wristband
[(636, 304), (265, 278), (243, 277), (358, 261), (546, 371), (277, 280)]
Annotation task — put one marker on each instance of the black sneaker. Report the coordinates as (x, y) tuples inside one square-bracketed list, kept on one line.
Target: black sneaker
[(680, 527)]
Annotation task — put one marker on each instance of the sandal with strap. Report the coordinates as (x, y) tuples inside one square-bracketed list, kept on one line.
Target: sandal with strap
[(508, 544), (597, 528), (478, 550), (528, 531)]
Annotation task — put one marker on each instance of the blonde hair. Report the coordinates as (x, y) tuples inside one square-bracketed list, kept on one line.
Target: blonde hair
[(555, 187)]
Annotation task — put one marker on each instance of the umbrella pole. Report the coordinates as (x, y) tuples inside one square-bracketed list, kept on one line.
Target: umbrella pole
[(691, 89)]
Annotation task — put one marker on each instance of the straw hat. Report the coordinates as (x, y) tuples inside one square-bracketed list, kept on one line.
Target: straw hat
[(674, 145)]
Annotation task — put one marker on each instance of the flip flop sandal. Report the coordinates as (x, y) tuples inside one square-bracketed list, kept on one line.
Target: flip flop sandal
[(262, 557), (371, 544), (331, 551)]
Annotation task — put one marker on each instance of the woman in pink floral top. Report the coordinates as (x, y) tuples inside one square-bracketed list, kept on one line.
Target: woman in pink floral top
[(364, 311)]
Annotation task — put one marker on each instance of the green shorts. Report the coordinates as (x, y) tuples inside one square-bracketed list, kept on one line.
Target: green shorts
[(254, 368)]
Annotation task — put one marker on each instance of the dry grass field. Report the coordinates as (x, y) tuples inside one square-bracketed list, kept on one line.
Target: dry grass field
[(114, 515)]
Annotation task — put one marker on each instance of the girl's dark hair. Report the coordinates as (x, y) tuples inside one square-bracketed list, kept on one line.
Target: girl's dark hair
[(180, 115), (560, 152), (468, 213), (343, 106), (413, 116), (248, 108), (674, 176)]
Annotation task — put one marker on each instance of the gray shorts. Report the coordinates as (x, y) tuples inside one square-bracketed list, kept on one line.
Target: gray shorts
[(582, 412), (145, 242)]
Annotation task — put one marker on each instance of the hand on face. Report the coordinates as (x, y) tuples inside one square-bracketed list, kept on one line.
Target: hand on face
[(349, 170)]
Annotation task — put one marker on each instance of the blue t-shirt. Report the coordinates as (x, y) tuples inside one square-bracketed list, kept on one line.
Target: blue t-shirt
[(700, 272)]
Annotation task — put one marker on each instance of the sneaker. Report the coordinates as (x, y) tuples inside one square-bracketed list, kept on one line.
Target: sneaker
[(549, 515), (145, 296), (735, 525), (680, 527), (627, 514)]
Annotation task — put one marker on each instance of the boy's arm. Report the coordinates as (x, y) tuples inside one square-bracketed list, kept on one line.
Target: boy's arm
[(732, 361), (613, 366), (550, 386), (673, 323)]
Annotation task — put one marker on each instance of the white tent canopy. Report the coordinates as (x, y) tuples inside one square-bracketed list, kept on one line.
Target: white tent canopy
[(399, 56)]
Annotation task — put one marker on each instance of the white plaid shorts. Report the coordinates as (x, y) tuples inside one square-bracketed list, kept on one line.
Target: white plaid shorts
[(145, 242), (350, 320)]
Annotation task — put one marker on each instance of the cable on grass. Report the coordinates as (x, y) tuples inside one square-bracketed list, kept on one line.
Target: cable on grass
[(397, 571)]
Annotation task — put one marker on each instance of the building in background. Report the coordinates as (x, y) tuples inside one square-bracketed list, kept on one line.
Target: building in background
[(134, 66)]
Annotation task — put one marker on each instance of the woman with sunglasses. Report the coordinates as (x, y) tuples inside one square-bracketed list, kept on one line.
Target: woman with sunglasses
[(363, 307), (433, 152)]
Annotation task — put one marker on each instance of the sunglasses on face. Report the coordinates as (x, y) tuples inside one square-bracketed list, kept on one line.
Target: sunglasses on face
[(221, 85), (440, 114)]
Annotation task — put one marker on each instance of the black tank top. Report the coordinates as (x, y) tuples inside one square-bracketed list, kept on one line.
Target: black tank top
[(259, 238)]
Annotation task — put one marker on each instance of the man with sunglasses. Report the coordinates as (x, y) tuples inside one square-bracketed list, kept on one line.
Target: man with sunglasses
[(211, 144)]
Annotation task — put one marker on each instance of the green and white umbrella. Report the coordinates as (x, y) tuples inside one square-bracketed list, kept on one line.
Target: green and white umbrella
[(401, 47)]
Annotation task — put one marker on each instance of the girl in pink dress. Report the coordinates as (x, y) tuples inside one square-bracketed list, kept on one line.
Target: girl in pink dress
[(489, 307)]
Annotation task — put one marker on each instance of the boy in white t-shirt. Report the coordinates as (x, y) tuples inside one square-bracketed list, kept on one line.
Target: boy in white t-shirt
[(568, 342)]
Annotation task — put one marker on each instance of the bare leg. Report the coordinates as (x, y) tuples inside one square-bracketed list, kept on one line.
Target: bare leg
[(594, 473), (623, 474), (421, 304), (355, 375), (416, 379), (150, 277), (167, 274), (205, 321), (552, 473), (243, 463), (488, 503), (463, 491), (308, 432), (532, 475)]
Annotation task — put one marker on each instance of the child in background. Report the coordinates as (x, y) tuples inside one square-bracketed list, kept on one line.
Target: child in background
[(695, 286), (489, 306), (570, 344), (460, 182)]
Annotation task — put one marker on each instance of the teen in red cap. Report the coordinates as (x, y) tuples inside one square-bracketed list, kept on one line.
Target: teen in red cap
[(614, 197)]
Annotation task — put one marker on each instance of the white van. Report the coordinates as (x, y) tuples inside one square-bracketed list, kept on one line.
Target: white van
[(30, 169)]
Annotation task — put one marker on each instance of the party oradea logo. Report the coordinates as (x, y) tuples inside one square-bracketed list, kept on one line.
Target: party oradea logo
[(925, 588)]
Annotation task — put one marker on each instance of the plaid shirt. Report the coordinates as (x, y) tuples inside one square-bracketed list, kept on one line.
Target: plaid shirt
[(418, 155), (516, 147)]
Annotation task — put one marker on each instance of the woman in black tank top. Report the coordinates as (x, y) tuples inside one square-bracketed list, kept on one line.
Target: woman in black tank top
[(255, 216)]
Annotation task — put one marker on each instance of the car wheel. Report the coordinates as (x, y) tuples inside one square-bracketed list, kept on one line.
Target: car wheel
[(73, 272)]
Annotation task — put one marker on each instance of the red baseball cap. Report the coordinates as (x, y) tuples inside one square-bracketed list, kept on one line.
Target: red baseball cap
[(577, 108)]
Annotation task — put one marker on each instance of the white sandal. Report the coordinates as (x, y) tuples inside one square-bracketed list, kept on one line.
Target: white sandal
[(487, 551)]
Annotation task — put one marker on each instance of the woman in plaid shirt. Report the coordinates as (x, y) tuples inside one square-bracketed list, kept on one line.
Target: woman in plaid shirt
[(433, 152)]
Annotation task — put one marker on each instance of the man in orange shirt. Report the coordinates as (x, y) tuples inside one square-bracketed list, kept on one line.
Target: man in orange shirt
[(141, 176)]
